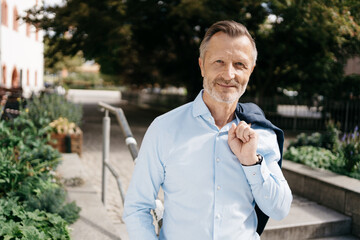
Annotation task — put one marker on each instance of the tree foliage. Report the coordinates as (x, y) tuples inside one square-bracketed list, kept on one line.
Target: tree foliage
[(302, 44), (311, 42)]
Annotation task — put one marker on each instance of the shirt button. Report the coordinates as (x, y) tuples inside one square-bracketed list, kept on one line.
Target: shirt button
[(218, 188), (218, 216), (254, 173), (218, 160)]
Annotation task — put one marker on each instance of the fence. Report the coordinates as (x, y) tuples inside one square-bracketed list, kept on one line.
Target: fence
[(297, 115), (286, 113)]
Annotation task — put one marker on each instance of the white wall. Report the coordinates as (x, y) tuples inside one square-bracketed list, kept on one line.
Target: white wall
[(21, 51)]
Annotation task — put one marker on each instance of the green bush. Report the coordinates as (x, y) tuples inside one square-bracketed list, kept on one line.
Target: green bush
[(350, 146), (17, 223), (49, 107), (329, 139), (43, 193), (315, 157), (11, 175), (327, 151), (32, 203)]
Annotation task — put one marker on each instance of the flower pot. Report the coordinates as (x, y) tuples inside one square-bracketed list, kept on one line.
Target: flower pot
[(67, 143)]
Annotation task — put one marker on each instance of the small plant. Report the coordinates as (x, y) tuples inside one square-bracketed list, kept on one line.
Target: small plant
[(63, 126), (327, 151), (312, 156), (329, 139), (350, 146), (49, 107), (17, 223), (43, 193)]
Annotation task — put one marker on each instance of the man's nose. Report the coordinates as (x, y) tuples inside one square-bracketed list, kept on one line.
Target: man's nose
[(229, 72)]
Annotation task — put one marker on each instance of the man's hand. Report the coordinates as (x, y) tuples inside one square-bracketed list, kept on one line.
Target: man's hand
[(243, 143)]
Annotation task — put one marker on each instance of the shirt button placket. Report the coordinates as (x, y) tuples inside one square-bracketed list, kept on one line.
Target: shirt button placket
[(217, 188)]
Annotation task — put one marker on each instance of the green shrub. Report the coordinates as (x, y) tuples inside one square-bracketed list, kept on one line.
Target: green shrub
[(27, 185), (329, 139), (43, 193), (11, 174), (350, 147), (49, 107), (338, 156), (315, 157), (17, 223)]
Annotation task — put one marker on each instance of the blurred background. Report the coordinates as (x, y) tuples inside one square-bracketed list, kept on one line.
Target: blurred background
[(307, 70), (142, 56)]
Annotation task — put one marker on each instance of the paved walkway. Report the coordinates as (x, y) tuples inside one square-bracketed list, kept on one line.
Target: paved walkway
[(120, 158)]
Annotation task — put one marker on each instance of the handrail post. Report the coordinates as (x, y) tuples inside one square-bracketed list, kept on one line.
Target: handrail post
[(106, 150)]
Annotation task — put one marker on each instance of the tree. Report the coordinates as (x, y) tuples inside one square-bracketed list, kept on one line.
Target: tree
[(97, 28), (57, 62), (311, 41), (168, 33), (148, 41)]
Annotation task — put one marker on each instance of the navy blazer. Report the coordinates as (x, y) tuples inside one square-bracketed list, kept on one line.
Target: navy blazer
[(251, 113)]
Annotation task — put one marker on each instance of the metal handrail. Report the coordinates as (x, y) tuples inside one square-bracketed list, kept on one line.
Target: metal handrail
[(129, 140), (133, 148)]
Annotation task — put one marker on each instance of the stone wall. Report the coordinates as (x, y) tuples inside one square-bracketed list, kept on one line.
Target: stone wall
[(337, 192)]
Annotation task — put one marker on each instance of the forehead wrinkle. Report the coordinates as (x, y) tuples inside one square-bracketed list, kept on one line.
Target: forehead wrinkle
[(237, 48)]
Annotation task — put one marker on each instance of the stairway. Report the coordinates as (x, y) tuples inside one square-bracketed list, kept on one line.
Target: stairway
[(309, 220)]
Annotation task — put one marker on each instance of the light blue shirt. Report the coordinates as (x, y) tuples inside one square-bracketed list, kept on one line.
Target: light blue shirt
[(208, 194)]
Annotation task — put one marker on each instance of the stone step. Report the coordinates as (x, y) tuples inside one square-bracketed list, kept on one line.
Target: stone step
[(348, 237), (308, 220)]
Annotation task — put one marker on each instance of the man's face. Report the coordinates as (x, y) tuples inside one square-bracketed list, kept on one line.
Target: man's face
[(226, 67)]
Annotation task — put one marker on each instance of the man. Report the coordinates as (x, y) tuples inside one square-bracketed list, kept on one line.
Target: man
[(214, 158)]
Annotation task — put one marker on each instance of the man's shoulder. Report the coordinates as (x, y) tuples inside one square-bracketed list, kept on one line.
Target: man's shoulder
[(174, 115)]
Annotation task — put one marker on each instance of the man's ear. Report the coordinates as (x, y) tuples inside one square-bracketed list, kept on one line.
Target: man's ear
[(201, 67)]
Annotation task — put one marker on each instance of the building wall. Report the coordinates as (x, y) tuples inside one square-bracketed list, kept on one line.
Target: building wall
[(352, 66), (21, 50)]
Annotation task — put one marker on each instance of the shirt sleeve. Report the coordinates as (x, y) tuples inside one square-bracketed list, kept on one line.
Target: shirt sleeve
[(140, 198), (268, 184)]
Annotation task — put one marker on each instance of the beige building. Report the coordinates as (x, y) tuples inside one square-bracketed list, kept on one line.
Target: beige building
[(21, 48)]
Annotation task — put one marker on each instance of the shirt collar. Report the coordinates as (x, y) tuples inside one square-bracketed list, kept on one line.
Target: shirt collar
[(199, 106)]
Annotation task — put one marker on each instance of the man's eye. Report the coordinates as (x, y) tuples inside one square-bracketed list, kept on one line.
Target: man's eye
[(240, 64), (219, 61)]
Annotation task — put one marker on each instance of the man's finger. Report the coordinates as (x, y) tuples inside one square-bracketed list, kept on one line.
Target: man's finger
[(231, 134), (242, 132)]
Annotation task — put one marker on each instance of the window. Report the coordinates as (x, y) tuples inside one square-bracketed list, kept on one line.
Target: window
[(27, 77), (4, 75), (36, 79), (37, 34), (15, 78), (15, 20), (4, 13), (28, 29)]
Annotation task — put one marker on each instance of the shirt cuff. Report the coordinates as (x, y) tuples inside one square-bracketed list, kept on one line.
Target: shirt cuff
[(257, 174)]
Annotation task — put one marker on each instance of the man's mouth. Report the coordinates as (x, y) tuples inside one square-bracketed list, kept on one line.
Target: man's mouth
[(226, 85)]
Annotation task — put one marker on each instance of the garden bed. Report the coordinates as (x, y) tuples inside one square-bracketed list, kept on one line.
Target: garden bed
[(67, 143)]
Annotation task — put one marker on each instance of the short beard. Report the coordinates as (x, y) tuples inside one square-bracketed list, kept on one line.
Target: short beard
[(215, 95)]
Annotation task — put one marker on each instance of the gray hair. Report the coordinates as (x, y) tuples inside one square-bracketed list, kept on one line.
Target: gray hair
[(232, 29)]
